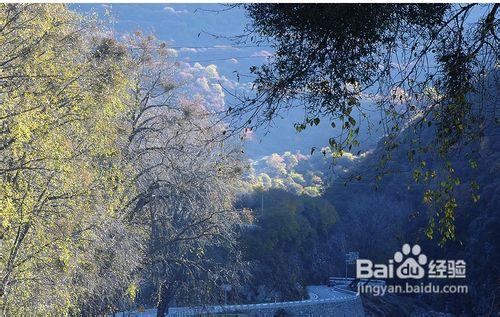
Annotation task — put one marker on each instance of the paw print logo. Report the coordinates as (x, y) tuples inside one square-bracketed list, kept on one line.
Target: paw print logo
[(412, 266)]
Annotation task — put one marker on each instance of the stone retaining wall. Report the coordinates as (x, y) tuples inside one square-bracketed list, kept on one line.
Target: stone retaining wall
[(349, 305)]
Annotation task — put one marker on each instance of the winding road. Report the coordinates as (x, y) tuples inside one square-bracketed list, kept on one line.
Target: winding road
[(317, 294)]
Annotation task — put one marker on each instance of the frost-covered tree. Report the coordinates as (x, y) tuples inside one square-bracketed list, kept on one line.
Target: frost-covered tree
[(187, 182)]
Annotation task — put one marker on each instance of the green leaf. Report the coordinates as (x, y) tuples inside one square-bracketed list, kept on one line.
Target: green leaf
[(332, 142), (352, 121)]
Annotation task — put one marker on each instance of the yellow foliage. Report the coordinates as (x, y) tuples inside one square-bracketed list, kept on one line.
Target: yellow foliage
[(62, 166)]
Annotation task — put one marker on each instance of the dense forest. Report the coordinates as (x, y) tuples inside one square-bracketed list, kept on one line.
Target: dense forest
[(118, 191), (109, 179)]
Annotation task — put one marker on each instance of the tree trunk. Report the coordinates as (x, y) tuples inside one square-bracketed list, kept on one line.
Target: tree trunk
[(163, 301)]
